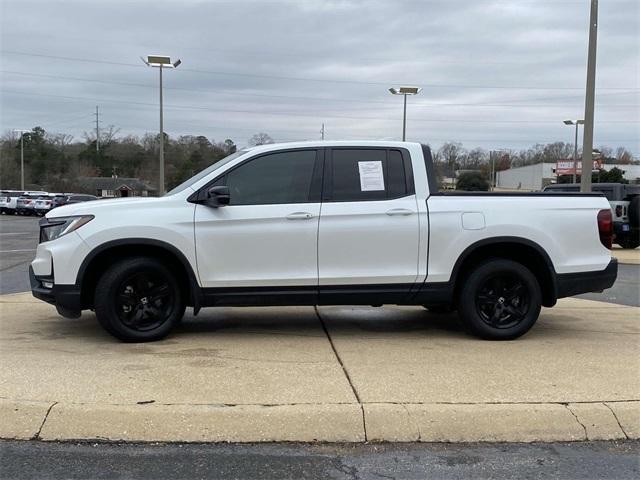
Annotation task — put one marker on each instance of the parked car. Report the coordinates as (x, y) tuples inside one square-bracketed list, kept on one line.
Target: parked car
[(25, 204), (8, 200), (624, 200), (323, 223), (44, 203), (71, 198)]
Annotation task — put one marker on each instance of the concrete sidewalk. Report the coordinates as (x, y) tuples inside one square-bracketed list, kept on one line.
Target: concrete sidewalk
[(626, 256), (337, 374)]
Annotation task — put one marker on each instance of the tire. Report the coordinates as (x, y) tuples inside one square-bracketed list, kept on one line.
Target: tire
[(629, 241), (138, 300), (500, 300)]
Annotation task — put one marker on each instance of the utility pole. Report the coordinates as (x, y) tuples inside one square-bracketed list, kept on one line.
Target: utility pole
[(97, 131), (22, 161), (322, 131), (161, 181), (21, 132), (587, 140)]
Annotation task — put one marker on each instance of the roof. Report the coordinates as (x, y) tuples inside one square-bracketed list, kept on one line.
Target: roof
[(331, 143), (111, 183)]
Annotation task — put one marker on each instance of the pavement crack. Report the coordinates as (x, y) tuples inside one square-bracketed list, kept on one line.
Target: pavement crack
[(586, 436), (346, 373), (616, 417), (46, 415)]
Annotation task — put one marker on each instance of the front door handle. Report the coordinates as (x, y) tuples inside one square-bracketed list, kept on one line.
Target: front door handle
[(299, 216), (399, 211)]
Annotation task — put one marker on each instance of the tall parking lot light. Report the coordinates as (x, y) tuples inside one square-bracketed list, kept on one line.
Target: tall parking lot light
[(575, 145), (22, 132), (161, 62), (404, 91)]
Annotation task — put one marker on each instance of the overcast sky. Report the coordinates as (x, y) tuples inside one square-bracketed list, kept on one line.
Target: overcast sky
[(495, 73)]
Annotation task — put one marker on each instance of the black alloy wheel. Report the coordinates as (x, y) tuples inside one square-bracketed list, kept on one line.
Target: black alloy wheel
[(144, 301), (502, 301)]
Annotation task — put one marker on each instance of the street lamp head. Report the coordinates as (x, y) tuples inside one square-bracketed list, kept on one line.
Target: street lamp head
[(405, 90), (568, 122), (161, 61), (574, 122)]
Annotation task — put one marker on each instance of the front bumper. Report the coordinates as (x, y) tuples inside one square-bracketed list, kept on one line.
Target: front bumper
[(66, 298), (569, 284)]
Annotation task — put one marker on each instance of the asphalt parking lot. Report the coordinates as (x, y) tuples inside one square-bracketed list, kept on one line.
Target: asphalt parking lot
[(19, 238)]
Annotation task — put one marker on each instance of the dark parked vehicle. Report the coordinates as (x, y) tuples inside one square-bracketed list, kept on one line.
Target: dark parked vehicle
[(70, 198)]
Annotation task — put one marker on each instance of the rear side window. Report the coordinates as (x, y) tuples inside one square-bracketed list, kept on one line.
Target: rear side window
[(277, 178), (368, 174)]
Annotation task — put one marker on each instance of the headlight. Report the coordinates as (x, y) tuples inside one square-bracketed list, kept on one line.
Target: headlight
[(52, 228)]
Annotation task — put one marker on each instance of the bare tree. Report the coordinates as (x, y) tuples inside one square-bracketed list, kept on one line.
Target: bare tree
[(260, 139), (623, 156)]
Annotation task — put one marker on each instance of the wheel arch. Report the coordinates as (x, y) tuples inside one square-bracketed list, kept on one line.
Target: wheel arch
[(518, 249), (105, 254)]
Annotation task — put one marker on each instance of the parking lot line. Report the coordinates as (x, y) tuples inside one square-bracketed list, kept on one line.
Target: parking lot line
[(22, 250)]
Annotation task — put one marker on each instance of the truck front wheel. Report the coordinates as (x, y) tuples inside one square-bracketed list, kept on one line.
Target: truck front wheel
[(138, 300), (500, 300)]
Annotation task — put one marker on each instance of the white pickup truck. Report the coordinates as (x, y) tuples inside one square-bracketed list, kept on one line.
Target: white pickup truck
[(323, 223)]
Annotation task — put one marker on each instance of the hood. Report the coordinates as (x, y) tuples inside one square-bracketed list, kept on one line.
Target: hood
[(95, 206)]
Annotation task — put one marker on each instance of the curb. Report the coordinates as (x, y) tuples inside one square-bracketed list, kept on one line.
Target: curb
[(342, 422)]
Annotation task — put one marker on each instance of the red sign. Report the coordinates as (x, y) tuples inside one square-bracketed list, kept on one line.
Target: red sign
[(565, 167)]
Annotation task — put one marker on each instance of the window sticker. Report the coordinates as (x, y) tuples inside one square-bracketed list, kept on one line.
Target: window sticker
[(371, 177)]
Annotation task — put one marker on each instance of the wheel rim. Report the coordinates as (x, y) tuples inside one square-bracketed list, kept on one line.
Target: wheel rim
[(144, 301), (503, 301)]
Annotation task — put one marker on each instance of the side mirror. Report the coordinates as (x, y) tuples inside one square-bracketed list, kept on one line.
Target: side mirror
[(218, 196)]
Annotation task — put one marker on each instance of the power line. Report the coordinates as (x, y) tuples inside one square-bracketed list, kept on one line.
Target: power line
[(310, 79), (323, 99), (298, 114)]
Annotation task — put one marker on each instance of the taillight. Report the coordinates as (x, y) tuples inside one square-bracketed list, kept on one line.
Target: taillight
[(605, 227)]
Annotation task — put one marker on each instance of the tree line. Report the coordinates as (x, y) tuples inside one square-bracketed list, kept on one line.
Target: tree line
[(57, 162)]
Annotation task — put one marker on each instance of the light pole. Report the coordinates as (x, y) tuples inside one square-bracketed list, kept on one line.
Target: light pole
[(404, 91), (575, 145), (587, 134), (161, 62), (22, 132)]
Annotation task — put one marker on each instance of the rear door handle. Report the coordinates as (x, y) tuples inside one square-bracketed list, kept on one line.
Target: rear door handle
[(299, 216), (399, 211)]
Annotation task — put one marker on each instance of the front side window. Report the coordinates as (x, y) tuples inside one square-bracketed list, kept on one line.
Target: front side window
[(368, 174), (276, 178)]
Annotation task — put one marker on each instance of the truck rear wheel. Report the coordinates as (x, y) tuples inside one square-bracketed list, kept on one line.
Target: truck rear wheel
[(138, 300), (500, 300)]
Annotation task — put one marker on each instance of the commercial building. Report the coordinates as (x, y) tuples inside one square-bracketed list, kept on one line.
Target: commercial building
[(537, 176)]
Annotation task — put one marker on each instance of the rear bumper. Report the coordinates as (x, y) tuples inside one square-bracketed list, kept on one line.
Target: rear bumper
[(569, 284), (66, 298)]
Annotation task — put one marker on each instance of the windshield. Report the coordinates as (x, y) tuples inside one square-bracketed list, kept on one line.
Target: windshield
[(199, 176)]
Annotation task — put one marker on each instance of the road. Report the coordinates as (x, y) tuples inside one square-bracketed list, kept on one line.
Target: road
[(587, 460), (19, 238)]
